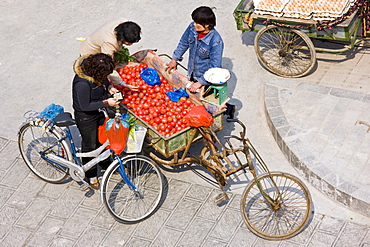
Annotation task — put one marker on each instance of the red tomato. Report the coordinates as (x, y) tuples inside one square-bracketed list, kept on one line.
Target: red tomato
[(162, 110), (157, 120)]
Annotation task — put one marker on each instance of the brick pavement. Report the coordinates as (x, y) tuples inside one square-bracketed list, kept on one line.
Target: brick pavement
[(35, 213)]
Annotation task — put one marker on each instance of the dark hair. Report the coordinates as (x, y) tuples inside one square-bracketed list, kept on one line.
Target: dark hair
[(98, 66), (128, 31), (204, 16)]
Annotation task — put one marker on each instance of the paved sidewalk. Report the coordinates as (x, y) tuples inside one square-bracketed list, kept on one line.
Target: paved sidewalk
[(35, 213), (38, 47), (321, 123), (324, 133)]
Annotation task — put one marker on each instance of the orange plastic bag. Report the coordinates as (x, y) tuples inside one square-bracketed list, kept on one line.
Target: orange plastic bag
[(117, 133), (199, 117), (102, 136)]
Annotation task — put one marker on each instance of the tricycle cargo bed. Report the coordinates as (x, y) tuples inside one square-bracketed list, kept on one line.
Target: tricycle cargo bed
[(247, 20), (169, 145)]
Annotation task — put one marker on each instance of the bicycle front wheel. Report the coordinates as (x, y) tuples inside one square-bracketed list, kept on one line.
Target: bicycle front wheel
[(289, 213), (32, 140), (125, 204)]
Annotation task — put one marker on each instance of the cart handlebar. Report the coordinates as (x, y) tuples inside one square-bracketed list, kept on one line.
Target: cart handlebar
[(242, 133)]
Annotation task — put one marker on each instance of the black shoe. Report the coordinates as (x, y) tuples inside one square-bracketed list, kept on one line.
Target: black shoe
[(230, 111)]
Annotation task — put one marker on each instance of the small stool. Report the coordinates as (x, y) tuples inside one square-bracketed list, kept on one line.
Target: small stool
[(219, 93)]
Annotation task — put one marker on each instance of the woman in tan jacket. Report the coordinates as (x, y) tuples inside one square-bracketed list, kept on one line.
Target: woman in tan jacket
[(109, 39)]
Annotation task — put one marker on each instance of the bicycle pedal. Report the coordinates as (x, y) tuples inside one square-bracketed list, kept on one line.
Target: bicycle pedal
[(84, 186), (221, 199)]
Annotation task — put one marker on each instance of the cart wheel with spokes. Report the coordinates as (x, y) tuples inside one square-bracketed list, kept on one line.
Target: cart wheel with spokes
[(284, 51), (276, 206)]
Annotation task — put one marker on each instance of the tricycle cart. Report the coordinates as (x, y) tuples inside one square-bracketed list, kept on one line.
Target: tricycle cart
[(274, 205), (284, 45)]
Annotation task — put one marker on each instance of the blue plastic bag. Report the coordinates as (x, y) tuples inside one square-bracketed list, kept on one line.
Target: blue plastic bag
[(176, 95), (150, 76), (50, 112), (117, 122)]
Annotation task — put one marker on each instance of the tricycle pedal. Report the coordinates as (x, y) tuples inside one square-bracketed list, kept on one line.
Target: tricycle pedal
[(221, 199)]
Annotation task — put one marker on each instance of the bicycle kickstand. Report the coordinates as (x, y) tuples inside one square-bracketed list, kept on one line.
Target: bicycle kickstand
[(85, 185)]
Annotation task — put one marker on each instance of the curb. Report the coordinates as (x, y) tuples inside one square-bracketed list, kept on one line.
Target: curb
[(346, 192)]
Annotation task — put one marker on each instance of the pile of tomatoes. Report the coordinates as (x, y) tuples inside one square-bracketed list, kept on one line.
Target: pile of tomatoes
[(152, 104)]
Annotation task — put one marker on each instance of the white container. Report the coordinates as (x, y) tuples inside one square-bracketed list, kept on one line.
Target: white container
[(135, 140)]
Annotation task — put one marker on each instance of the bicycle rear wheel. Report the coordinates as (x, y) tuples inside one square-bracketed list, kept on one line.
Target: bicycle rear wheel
[(122, 202), (292, 208), (32, 140)]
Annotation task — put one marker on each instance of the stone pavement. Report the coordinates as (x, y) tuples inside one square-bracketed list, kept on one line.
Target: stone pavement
[(38, 46), (324, 133), (322, 123), (35, 213)]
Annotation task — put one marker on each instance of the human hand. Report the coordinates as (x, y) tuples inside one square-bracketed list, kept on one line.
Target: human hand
[(171, 65), (194, 87), (113, 102), (133, 88), (113, 90)]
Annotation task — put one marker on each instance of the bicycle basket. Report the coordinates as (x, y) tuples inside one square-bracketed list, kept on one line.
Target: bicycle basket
[(135, 139)]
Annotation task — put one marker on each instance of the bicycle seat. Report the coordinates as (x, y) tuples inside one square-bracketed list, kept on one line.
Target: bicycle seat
[(64, 119)]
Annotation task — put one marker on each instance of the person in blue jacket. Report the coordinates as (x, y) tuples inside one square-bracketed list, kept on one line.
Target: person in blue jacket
[(205, 47)]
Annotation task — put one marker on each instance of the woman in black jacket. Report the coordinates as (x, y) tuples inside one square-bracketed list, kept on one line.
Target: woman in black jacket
[(91, 89)]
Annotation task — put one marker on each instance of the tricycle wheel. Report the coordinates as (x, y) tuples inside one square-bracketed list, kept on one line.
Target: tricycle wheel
[(284, 51), (276, 206)]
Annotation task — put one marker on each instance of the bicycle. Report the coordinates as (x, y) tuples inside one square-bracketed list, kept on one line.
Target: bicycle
[(131, 187)]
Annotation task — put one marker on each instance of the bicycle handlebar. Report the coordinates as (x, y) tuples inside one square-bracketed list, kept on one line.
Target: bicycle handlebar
[(106, 112)]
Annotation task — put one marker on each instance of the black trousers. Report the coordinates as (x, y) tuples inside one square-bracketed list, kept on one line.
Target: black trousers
[(87, 124)]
